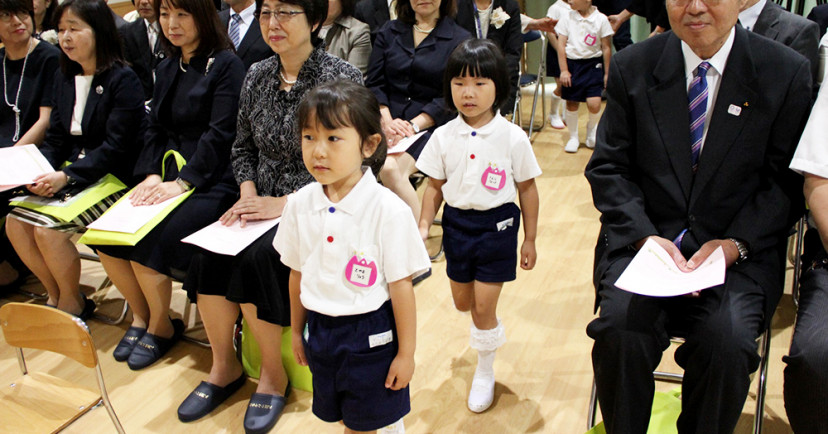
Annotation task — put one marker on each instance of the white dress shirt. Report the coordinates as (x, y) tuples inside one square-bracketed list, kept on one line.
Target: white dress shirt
[(749, 16), (247, 16)]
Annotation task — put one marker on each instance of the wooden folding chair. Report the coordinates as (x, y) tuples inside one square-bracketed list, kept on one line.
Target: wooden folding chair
[(41, 402)]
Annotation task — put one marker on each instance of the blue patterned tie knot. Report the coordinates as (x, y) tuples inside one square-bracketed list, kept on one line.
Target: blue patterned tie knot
[(697, 97)]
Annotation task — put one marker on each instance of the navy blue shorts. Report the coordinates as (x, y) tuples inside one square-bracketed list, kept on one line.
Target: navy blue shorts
[(349, 375), (481, 245), (587, 79)]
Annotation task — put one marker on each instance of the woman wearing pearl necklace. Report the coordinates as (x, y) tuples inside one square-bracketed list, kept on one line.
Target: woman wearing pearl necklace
[(27, 70), (405, 73)]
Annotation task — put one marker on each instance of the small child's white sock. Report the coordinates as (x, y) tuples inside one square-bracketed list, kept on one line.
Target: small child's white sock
[(572, 123), (592, 127)]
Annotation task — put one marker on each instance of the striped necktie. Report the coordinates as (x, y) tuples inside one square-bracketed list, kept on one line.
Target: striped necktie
[(698, 111), (233, 31)]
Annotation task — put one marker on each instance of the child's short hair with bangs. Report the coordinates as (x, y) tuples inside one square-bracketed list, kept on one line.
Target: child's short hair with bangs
[(344, 103), (477, 58)]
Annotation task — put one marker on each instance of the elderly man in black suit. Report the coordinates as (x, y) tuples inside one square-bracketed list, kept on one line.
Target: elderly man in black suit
[(719, 179), (768, 19), (141, 47), (243, 29)]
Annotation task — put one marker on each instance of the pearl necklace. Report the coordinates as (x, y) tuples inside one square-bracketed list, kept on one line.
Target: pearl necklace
[(417, 28), (15, 108), (285, 80), (181, 65)]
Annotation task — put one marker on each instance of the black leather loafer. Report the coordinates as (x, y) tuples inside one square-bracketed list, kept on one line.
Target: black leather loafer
[(150, 348), (205, 398), (263, 412), (127, 343)]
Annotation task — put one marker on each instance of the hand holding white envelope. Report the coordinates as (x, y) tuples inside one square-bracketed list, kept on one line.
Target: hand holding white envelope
[(653, 272)]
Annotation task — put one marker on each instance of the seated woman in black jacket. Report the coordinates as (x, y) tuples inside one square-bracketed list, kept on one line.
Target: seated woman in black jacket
[(98, 109)]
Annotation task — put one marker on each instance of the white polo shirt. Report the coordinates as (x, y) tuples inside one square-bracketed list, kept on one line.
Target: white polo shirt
[(480, 165), (811, 154), (348, 251), (558, 10), (584, 34)]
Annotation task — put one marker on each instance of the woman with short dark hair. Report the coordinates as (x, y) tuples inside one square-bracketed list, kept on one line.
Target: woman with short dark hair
[(27, 73), (193, 112), (98, 112)]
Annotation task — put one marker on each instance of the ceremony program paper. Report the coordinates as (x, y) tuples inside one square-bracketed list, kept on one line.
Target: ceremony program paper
[(230, 240), (20, 165), (404, 144), (653, 272), (128, 218)]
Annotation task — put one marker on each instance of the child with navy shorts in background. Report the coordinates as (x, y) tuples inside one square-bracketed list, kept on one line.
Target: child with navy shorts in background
[(477, 162), (353, 248), (584, 37)]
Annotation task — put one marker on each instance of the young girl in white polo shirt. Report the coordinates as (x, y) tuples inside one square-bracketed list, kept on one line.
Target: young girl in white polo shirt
[(584, 37), (353, 248), (475, 162)]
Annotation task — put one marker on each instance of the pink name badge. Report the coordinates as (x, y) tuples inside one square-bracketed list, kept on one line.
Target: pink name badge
[(360, 272), (493, 179), (590, 40)]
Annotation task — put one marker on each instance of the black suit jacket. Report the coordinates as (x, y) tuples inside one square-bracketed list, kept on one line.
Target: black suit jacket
[(205, 125), (112, 126), (791, 30), (374, 13), (640, 172), (252, 48), (508, 37), (142, 58), (409, 80)]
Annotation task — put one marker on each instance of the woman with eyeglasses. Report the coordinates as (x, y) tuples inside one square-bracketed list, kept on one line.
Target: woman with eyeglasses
[(268, 165), (193, 112), (27, 71)]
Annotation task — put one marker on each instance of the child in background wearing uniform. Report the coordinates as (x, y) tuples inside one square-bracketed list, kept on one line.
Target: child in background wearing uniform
[(353, 248), (584, 38), (557, 11), (475, 162)]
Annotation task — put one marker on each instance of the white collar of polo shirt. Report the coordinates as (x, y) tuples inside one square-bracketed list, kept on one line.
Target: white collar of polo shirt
[(488, 129), (353, 202)]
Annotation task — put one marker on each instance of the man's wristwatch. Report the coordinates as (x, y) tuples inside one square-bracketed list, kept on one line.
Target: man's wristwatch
[(743, 250), (416, 128), (186, 186), (69, 180)]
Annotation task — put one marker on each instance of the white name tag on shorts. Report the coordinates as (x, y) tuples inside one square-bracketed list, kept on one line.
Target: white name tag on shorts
[(501, 226), (380, 339)]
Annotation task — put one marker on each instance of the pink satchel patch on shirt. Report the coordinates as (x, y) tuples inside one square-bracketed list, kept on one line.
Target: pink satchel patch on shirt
[(361, 272), (493, 179), (590, 40)]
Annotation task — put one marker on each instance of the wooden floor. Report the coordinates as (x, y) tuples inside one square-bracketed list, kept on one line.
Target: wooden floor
[(543, 371)]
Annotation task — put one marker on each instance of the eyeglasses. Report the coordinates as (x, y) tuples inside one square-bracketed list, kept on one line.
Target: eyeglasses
[(5, 16), (281, 15)]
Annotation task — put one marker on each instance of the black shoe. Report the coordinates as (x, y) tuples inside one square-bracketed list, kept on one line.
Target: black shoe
[(263, 412), (88, 309), (150, 348), (127, 343), (205, 398)]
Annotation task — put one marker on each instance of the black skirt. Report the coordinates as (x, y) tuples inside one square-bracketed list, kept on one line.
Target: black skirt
[(161, 249), (256, 275)]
